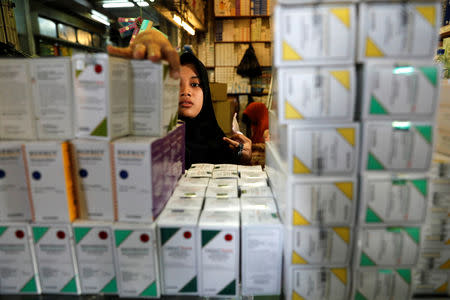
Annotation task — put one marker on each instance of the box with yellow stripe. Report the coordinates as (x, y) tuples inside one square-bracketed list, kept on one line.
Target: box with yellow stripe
[(398, 90), (136, 260), (18, 270), (305, 246), (55, 256), (436, 230), (394, 199), (434, 259), (431, 282), (386, 283), (398, 30), (388, 246), (317, 283), (397, 146), (327, 37), (315, 94)]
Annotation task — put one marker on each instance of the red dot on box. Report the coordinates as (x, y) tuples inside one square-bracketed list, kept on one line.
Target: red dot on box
[(20, 234), (187, 234), (103, 235), (98, 68), (61, 235), (228, 237), (145, 238)]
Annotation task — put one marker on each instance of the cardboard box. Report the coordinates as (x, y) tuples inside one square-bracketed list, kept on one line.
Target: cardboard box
[(154, 105), (388, 246), (95, 257), (317, 283), (431, 282), (386, 283), (219, 254), (400, 91), (398, 30), (136, 260), (55, 255), (93, 174), (316, 94), (222, 204), (178, 249), (18, 269), (50, 182), (443, 141), (102, 88), (256, 204), (17, 114), (329, 246), (397, 146), (327, 37), (394, 199), (262, 252), (51, 80), (434, 259), (14, 201), (185, 203), (224, 111), (218, 91)]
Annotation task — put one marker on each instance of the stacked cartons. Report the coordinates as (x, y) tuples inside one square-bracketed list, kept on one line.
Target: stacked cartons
[(312, 159), (400, 93)]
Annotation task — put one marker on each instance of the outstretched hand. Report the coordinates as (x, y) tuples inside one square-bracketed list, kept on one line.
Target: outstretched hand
[(235, 140), (153, 45)]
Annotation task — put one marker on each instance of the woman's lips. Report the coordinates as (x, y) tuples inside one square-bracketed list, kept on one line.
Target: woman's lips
[(186, 104)]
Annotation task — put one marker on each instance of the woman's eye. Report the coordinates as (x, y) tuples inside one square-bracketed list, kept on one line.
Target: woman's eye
[(195, 84)]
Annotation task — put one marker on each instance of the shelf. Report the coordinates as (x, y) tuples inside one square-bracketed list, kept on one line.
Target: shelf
[(444, 32), (243, 42), (252, 94), (67, 43), (242, 17)]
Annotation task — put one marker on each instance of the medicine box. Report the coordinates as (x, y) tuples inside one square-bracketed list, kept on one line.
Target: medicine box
[(255, 204), (102, 89), (222, 204), (185, 203)]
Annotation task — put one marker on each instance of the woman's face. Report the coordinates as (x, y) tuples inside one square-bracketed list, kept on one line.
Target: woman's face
[(191, 94)]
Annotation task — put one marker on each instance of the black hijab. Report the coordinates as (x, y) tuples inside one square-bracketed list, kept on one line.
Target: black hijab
[(204, 137)]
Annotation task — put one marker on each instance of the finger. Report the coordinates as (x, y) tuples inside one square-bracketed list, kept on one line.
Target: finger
[(154, 52), (139, 51), (173, 58), (118, 51), (231, 142)]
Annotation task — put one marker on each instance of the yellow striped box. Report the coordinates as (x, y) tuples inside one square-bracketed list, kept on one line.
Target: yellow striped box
[(431, 282), (434, 259)]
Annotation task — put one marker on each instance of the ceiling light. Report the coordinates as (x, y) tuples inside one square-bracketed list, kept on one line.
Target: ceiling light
[(142, 3), (100, 19), (188, 28), (100, 15), (117, 4), (177, 19)]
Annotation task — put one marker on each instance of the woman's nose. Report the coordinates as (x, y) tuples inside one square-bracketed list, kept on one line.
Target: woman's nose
[(185, 91)]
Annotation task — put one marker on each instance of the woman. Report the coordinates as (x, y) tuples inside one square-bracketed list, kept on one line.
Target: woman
[(205, 141)]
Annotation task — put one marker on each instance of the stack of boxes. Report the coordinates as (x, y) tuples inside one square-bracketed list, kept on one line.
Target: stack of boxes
[(399, 95), (312, 158)]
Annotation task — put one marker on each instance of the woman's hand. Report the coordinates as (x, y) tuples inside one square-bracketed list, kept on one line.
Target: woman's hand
[(234, 142), (153, 45)]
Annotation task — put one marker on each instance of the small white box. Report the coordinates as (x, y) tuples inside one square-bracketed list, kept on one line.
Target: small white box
[(51, 80), (394, 198), (189, 192), (262, 252), (388, 246), (95, 257), (252, 182), (398, 30), (154, 105), (434, 259), (136, 260), (198, 173), (49, 177), (102, 89), (223, 183), (219, 253), (204, 167), (193, 181), (400, 91), (178, 250), (55, 256), (225, 174), (431, 282), (221, 192), (222, 204), (253, 175), (397, 146), (255, 192), (185, 203), (386, 283), (14, 202), (243, 168), (329, 246), (93, 173), (317, 283), (225, 167), (18, 269), (322, 201), (316, 94), (255, 204), (327, 37)]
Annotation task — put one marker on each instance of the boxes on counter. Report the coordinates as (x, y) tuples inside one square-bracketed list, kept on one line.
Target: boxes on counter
[(14, 202), (400, 91), (93, 176), (397, 146), (49, 177), (317, 283), (219, 253), (327, 37), (318, 246), (185, 203), (136, 260), (434, 259), (222, 204), (256, 204), (178, 251), (102, 96), (388, 246), (55, 256), (386, 283), (431, 282), (316, 94), (154, 106), (18, 269), (398, 30), (262, 251), (394, 199)]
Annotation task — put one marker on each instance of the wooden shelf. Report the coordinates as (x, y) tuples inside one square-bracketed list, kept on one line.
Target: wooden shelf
[(242, 17), (243, 41), (444, 32), (67, 43)]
